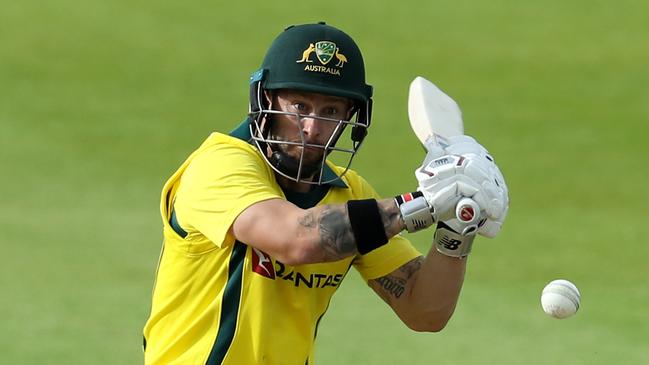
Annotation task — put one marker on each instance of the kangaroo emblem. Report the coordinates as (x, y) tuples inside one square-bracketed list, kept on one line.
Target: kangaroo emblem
[(306, 54), (341, 58)]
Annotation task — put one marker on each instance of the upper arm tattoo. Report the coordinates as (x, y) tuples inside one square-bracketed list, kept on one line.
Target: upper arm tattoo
[(395, 284)]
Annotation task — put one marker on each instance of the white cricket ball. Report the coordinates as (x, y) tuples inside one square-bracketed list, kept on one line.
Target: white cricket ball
[(560, 299)]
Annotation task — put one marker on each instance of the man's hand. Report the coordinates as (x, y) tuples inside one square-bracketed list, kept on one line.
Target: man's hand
[(459, 167)]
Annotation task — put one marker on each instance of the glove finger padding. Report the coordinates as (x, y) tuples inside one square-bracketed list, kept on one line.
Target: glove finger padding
[(437, 169), (443, 197), (490, 228), (461, 167), (493, 195)]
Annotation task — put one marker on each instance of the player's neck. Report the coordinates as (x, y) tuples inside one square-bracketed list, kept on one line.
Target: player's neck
[(288, 184)]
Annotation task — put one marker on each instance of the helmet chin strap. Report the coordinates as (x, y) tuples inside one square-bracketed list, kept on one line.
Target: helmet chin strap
[(290, 166)]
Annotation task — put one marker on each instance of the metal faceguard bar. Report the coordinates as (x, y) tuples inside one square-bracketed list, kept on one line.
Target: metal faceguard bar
[(259, 138)]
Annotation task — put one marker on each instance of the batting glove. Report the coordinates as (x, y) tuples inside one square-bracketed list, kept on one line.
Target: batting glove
[(459, 167)]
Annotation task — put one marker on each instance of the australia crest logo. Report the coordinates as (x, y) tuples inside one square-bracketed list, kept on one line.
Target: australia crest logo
[(325, 51)]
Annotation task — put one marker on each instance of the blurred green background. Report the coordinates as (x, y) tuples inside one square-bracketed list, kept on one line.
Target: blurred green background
[(100, 101)]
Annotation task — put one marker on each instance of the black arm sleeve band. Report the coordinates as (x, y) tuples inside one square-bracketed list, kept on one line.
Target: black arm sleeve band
[(367, 225)]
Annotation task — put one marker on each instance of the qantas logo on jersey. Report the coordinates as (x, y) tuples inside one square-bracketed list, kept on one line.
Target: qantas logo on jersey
[(263, 265)]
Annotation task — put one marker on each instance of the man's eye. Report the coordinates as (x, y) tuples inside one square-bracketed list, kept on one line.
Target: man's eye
[(331, 111), (299, 107)]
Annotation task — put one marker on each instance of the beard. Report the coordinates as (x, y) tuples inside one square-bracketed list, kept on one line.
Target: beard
[(290, 165), (286, 158)]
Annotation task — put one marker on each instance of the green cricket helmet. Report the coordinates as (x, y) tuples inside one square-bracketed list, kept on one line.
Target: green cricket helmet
[(315, 58)]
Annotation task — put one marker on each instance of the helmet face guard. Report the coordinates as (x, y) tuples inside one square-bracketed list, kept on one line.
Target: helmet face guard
[(350, 133), (315, 58)]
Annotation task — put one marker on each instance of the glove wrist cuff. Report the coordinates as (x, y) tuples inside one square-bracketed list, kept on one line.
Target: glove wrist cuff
[(450, 243), (415, 211)]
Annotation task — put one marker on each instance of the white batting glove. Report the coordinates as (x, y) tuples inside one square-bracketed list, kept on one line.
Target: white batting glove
[(459, 167), (493, 197)]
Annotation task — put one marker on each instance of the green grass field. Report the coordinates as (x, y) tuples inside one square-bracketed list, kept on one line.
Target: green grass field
[(100, 101)]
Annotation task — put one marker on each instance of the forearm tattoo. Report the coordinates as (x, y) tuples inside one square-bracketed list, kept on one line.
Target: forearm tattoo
[(409, 269), (335, 232), (391, 217), (394, 285), (307, 221)]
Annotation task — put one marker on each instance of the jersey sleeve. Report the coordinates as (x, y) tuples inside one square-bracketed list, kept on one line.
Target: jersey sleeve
[(218, 184), (387, 258)]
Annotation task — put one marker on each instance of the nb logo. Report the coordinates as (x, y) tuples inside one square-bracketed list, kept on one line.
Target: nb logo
[(450, 243)]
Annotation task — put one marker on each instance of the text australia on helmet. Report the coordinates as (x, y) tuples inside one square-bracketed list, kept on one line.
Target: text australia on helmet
[(313, 58)]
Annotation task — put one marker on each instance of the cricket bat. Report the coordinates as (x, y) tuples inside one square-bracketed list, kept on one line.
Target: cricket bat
[(434, 116)]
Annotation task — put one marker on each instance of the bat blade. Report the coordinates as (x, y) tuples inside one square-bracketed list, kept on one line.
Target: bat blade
[(432, 112)]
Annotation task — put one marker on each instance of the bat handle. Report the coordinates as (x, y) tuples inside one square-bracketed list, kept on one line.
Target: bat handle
[(467, 211)]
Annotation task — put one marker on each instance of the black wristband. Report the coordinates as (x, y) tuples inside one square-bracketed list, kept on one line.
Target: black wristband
[(367, 225)]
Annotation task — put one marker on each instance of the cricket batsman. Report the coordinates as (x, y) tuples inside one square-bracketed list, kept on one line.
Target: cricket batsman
[(260, 227)]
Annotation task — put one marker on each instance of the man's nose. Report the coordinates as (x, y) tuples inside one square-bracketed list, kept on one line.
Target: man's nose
[(311, 127)]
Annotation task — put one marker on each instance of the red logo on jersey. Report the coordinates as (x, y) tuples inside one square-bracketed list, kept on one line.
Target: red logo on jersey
[(262, 264)]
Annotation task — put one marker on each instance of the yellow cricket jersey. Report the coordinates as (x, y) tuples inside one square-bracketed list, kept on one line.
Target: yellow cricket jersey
[(217, 300)]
